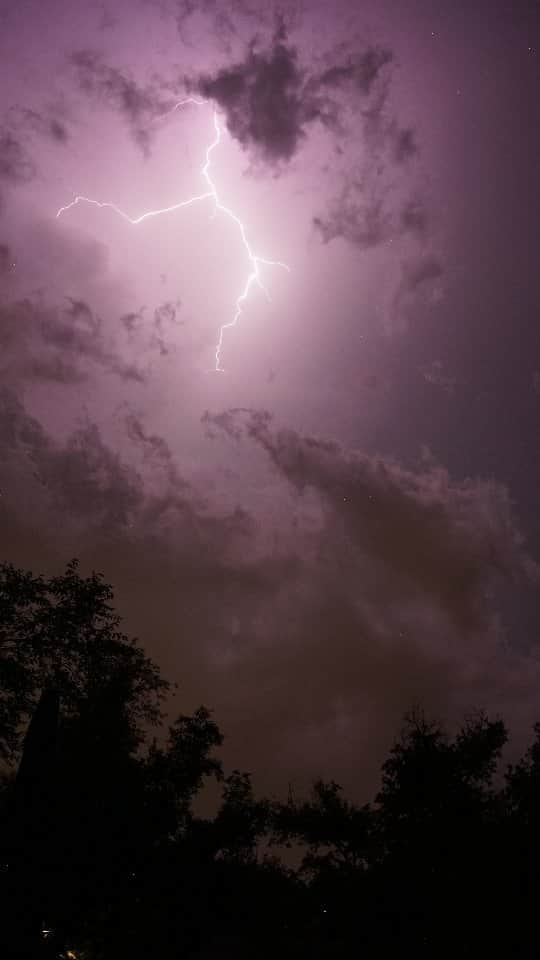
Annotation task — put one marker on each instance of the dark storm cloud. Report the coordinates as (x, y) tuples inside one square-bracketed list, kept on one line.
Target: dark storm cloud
[(367, 208), (360, 70), (6, 259), (83, 476), (356, 217), (103, 492), (165, 319), (364, 82), (426, 537), (366, 211), (414, 217), (267, 100), (132, 321), (156, 447), (270, 98), (138, 105), (90, 479), (420, 282), (77, 333), (166, 315), (16, 165), (43, 123), (155, 450), (18, 431), (56, 369), (43, 342), (404, 144), (225, 22)]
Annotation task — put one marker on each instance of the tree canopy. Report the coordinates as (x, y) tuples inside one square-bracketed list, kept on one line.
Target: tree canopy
[(104, 855), (63, 633)]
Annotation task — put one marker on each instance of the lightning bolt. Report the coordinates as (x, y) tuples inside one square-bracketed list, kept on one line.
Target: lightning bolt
[(254, 276)]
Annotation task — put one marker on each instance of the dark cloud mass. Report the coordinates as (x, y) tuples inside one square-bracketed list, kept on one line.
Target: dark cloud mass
[(270, 98), (138, 105), (356, 217), (19, 125), (405, 145), (82, 476), (6, 258), (43, 342), (16, 166), (43, 123), (432, 538), (420, 282), (267, 100), (361, 70), (414, 217)]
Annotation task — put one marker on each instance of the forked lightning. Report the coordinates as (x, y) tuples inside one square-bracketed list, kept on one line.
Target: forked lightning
[(211, 194)]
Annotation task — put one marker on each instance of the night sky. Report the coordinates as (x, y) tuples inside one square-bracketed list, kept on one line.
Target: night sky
[(341, 521)]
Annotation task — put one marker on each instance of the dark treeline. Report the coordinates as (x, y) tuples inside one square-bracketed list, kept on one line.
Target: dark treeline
[(103, 855)]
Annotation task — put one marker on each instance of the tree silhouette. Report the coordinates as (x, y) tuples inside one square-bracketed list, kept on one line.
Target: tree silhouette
[(337, 834), (435, 812), (241, 821), (103, 853), (62, 633)]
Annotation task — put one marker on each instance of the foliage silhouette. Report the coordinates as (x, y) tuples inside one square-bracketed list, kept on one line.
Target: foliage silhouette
[(62, 633), (102, 845)]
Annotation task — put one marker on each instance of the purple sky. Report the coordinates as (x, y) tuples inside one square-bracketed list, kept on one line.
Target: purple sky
[(344, 522)]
